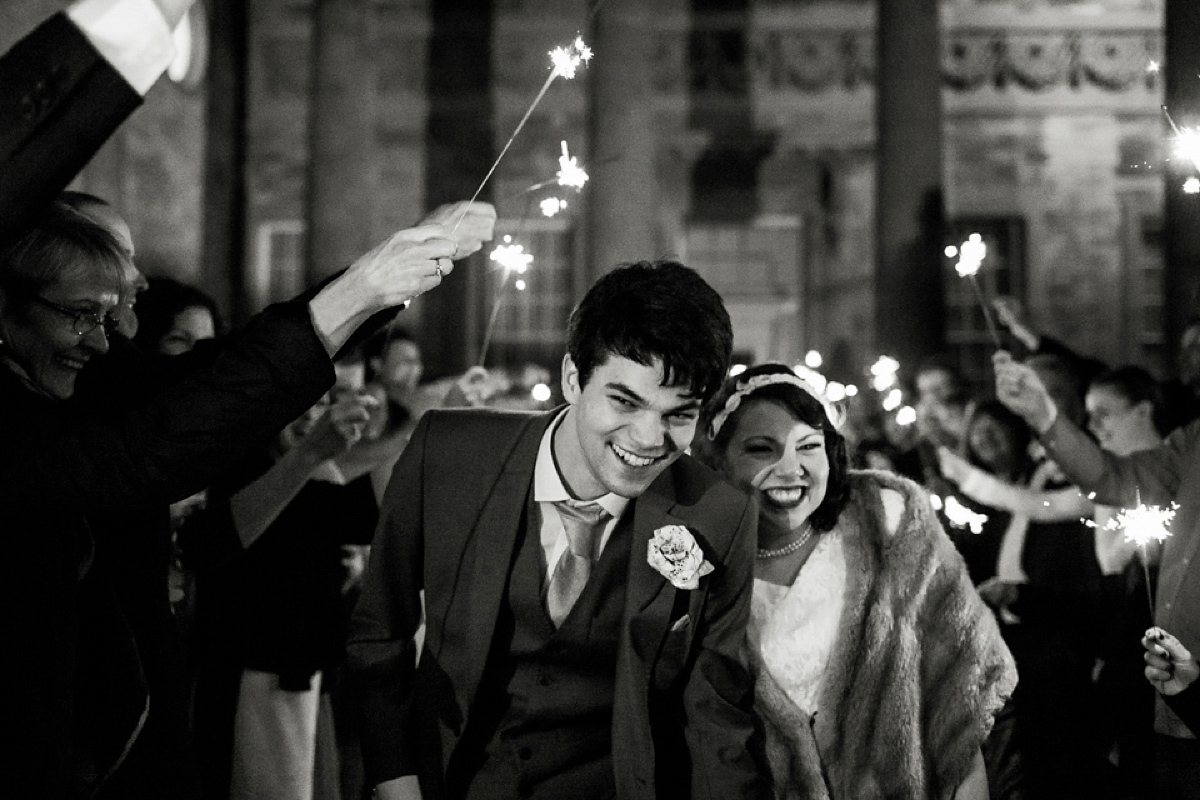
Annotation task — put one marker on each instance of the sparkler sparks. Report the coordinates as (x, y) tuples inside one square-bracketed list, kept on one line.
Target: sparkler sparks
[(565, 60), (959, 515), (1187, 145), (1144, 524), (970, 256), (552, 205), (569, 171), (512, 257)]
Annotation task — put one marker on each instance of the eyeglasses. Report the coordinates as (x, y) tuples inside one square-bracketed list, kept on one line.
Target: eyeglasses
[(83, 322)]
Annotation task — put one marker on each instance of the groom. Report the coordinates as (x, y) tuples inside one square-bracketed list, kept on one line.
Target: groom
[(586, 584)]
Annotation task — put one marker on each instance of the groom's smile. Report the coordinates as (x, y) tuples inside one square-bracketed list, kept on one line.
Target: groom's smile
[(623, 428)]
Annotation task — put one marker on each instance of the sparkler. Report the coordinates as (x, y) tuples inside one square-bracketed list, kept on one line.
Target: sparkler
[(569, 171), (552, 205), (970, 258), (512, 259), (564, 62), (1141, 526), (1186, 142), (958, 514)]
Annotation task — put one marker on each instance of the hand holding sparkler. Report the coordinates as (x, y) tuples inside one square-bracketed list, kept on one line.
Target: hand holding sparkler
[(1020, 389), (1170, 667), (477, 224), (1010, 314)]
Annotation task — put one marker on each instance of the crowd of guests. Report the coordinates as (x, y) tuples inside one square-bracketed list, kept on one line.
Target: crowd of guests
[(275, 563), (1072, 595)]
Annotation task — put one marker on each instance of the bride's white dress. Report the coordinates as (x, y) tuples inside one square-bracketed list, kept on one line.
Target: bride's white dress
[(793, 629)]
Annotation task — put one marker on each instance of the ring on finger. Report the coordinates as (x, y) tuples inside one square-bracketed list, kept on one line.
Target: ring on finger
[(437, 269)]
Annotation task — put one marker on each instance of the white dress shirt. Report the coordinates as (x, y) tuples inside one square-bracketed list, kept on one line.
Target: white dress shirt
[(132, 35), (548, 488)]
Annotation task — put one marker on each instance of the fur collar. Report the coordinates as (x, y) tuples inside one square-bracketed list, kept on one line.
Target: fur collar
[(917, 673)]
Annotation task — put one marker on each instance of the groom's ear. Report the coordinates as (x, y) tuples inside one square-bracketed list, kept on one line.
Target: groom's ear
[(570, 380)]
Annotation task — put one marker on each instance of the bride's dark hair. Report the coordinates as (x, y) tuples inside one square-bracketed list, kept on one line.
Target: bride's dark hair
[(804, 407)]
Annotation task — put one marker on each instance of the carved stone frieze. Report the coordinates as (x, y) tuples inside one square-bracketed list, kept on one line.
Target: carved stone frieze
[(815, 61), (1113, 61), (812, 61)]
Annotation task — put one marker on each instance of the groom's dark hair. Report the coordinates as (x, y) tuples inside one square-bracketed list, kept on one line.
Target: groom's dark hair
[(654, 310)]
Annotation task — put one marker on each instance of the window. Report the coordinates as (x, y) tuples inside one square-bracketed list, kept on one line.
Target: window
[(278, 269)]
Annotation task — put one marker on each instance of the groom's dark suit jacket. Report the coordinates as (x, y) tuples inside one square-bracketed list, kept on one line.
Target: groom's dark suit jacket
[(449, 527)]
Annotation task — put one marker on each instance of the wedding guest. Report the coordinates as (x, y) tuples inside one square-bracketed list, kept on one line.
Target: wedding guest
[(274, 614), (878, 669), (103, 214), (1168, 473), (173, 316), (60, 285), (584, 584)]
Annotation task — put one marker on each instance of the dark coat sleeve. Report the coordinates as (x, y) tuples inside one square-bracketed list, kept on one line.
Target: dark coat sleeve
[(718, 695), (59, 102), (382, 650), (1186, 706), (177, 441)]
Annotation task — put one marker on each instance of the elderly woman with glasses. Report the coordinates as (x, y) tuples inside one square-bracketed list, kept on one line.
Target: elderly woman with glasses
[(77, 693), (877, 668)]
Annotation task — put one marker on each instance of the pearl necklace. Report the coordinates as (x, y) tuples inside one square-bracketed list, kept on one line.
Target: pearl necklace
[(787, 549)]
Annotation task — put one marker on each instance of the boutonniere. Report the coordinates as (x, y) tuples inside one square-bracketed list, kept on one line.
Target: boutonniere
[(673, 551)]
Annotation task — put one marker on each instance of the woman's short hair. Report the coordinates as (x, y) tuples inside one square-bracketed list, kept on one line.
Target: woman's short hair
[(804, 407), (654, 310), (62, 244), (162, 301)]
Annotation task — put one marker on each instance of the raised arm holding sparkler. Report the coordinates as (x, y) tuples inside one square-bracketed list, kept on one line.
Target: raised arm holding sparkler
[(1160, 477)]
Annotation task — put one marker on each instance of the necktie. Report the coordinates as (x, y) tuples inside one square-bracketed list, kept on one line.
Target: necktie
[(583, 522)]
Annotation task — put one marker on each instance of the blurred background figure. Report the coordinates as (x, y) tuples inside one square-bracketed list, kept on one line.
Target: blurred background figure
[(272, 617), (173, 316)]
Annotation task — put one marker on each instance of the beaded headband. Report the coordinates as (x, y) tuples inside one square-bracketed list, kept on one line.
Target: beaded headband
[(750, 385)]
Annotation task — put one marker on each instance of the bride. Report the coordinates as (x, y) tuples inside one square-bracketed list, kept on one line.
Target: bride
[(877, 668)]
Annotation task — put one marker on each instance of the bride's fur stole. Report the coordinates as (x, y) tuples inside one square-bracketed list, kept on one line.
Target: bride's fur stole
[(916, 675)]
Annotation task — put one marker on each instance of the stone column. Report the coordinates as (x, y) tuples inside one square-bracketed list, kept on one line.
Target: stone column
[(1181, 233), (223, 244), (908, 297), (459, 133), (342, 144), (623, 192)]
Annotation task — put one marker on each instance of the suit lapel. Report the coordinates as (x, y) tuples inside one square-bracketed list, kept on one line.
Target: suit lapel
[(491, 550), (651, 511)]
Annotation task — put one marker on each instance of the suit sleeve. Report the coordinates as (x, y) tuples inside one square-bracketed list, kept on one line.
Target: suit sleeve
[(179, 440), (382, 647), (1186, 706), (61, 100), (1148, 476), (718, 696)]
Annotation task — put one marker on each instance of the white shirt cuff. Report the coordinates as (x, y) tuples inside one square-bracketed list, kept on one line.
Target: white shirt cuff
[(132, 35)]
